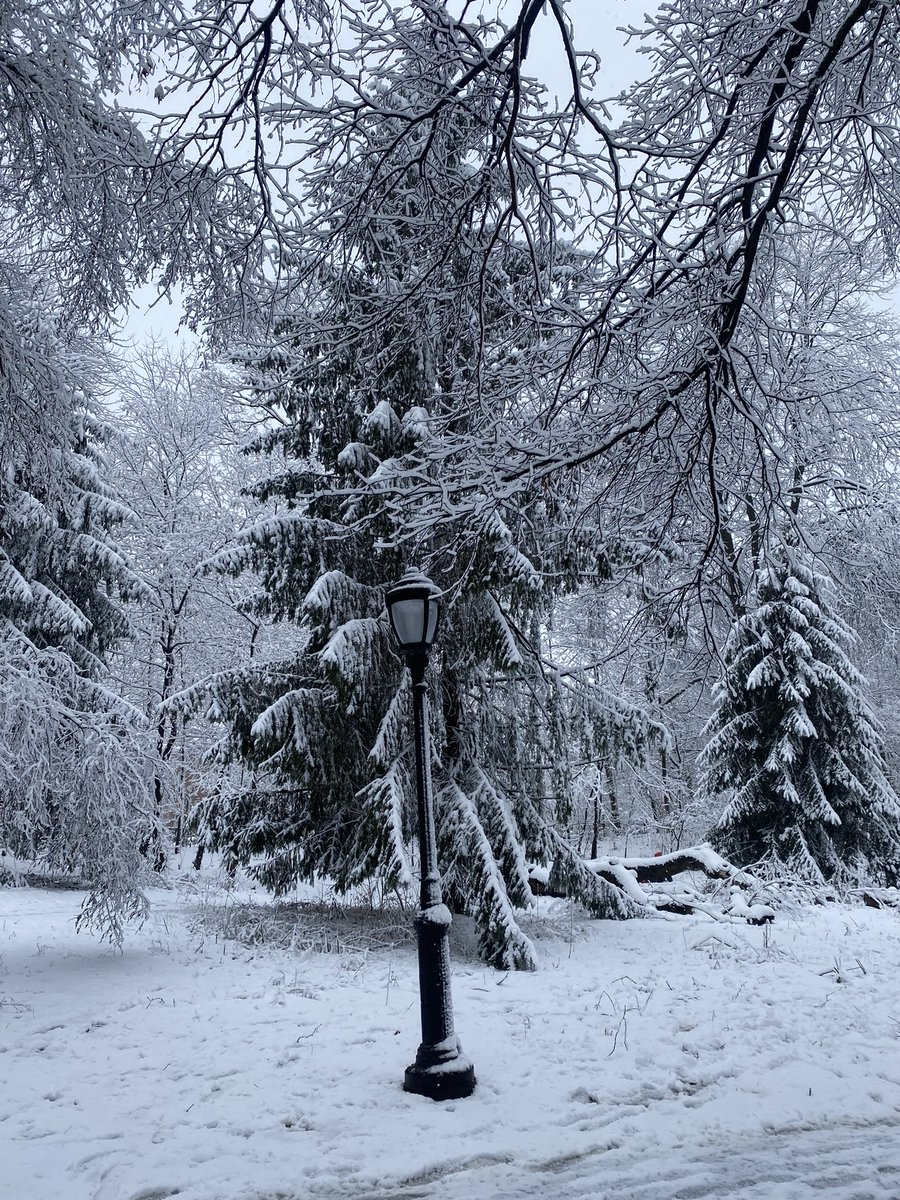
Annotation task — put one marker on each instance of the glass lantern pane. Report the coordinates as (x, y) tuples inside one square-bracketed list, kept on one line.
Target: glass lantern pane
[(408, 617), (432, 620)]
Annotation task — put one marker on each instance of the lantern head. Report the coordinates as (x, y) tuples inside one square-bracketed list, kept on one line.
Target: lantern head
[(414, 606)]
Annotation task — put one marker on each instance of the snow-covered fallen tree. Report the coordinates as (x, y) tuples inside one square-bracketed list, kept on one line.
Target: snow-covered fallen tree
[(643, 881)]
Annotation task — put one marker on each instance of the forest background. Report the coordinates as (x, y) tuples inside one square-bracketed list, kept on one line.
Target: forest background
[(611, 369)]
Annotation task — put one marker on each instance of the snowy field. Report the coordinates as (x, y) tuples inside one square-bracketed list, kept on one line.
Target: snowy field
[(667, 1059)]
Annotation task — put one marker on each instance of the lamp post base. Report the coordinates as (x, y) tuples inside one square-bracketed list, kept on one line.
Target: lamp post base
[(440, 1072)]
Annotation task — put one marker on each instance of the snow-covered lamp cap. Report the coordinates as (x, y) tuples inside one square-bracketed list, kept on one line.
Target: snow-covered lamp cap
[(414, 607)]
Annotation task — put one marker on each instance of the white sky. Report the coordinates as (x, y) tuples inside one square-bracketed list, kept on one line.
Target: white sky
[(155, 318), (596, 25)]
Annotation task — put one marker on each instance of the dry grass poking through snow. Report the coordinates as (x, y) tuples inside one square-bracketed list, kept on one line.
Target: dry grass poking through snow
[(332, 925)]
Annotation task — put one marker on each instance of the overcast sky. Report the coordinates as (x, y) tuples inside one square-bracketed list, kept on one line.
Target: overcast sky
[(596, 24)]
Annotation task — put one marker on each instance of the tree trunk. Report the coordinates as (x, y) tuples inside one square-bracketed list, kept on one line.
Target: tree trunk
[(596, 831)]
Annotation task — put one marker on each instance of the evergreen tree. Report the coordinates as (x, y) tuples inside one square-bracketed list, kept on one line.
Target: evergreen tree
[(357, 384), (328, 730), (793, 746)]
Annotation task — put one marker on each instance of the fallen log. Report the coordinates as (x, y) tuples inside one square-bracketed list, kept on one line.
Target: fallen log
[(881, 897), (632, 876), (662, 868)]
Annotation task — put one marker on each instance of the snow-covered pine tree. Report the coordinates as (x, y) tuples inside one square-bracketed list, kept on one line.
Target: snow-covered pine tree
[(377, 364), (792, 745), (72, 794), (328, 731)]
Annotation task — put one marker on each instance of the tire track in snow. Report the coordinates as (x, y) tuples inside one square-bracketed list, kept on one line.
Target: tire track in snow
[(843, 1162)]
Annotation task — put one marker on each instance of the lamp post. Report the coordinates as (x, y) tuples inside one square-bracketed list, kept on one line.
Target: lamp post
[(440, 1071)]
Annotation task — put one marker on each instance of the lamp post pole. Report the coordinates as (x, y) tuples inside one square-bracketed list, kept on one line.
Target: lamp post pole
[(440, 1071)]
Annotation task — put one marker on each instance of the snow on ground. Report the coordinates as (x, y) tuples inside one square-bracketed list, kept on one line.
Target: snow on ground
[(673, 1059)]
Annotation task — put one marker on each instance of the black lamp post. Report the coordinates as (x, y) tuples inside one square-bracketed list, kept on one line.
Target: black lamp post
[(440, 1071)]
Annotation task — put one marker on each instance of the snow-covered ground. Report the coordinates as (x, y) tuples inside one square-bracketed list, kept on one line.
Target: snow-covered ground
[(666, 1059)]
